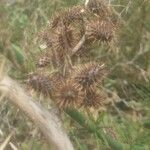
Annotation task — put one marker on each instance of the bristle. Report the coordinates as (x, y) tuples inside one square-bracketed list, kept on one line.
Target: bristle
[(41, 84), (100, 31), (89, 74), (93, 99), (68, 94)]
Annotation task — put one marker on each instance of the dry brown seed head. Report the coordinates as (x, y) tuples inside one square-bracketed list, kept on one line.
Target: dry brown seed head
[(74, 13), (68, 94), (41, 84), (100, 30), (99, 8), (64, 39), (89, 74), (93, 99), (67, 16)]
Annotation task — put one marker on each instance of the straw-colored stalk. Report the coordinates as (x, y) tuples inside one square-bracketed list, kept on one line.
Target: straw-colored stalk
[(48, 122)]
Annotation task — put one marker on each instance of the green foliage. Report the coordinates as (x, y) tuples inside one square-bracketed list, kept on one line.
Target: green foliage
[(123, 126)]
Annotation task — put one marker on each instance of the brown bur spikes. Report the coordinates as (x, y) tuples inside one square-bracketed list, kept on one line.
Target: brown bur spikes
[(99, 8), (75, 82), (68, 94), (41, 83), (93, 98), (100, 31), (64, 39), (67, 16), (89, 74)]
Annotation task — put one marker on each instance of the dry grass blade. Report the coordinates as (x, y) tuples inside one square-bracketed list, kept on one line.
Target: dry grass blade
[(2, 96), (79, 45), (2, 66), (5, 143), (13, 146)]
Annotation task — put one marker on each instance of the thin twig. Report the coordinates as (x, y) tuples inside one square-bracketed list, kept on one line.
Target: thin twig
[(79, 45)]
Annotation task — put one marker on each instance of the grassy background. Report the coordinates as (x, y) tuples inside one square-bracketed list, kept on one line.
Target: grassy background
[(126, 124)]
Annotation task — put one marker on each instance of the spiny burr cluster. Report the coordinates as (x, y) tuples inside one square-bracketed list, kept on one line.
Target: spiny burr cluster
[(100, 30), (41, 84), (74, 82)]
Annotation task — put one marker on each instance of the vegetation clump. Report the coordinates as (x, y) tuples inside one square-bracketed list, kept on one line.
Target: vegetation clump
[(79, 78)]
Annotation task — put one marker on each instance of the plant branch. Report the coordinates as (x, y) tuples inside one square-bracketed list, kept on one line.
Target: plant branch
[(79, 45)]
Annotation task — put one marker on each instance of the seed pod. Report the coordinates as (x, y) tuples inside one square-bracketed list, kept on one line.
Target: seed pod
[(41, 84), (100, 31), (64, 39), (93, 99), (68, 16), (99, 8), (68, 94), (75, 14), (88, 74)]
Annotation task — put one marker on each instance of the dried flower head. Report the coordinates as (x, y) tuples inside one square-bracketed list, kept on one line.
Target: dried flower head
[(98, 7), (41, 84), (88, 74), (68, 16), (100, 30), (64, 39), (93, 99), (75, 14), (68, 94)]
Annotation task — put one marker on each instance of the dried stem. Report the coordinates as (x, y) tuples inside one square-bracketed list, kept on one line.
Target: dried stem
[(79, 45), (48, 122)]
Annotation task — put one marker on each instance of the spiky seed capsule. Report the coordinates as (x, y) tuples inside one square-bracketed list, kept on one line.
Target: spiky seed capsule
[(67, 17), (68, 94), (99, 8), (74, 13), (100, 30), (64, 39), (88, 74), (41, 84), (93, 99)]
